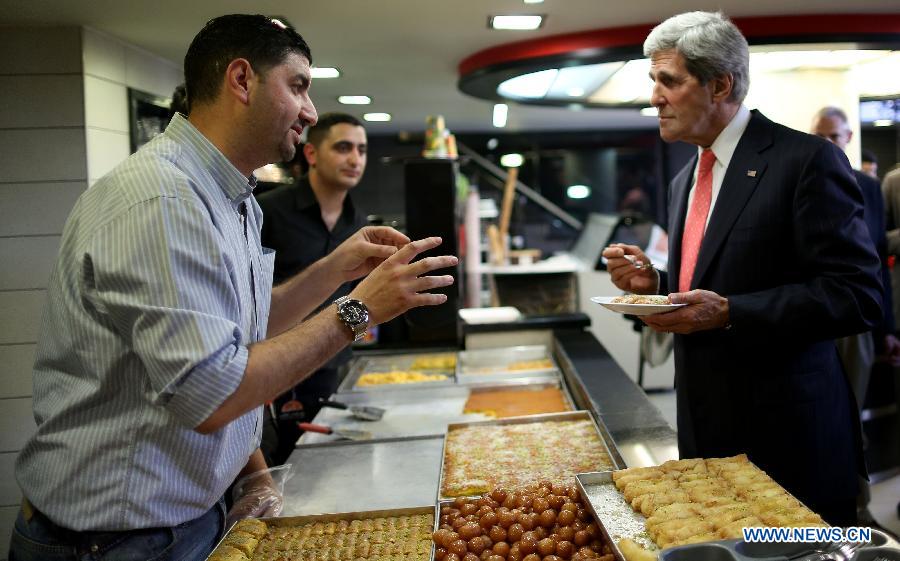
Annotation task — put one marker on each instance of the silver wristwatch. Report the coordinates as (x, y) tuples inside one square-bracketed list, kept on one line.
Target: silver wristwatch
[(354, 314)]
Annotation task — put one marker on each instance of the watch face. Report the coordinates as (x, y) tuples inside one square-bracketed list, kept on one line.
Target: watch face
[(354, 312)]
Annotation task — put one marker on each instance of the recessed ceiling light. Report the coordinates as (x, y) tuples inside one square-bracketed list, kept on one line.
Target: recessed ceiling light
[(629, 84), (355, 99), (534, 1), (377, 117), (585, 79), (578, 191), (533, 86), (883, 123), (500, 113), (650, 112), (511, 160), (324, 72), (516, 22)]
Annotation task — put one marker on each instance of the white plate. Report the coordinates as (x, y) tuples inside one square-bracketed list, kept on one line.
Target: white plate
[(634, 309)]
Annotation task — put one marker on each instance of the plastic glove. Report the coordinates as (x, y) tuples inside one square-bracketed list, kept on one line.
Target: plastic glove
[(255, 496)]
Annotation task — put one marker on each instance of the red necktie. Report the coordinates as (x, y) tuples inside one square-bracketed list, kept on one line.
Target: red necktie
[(695, 224)]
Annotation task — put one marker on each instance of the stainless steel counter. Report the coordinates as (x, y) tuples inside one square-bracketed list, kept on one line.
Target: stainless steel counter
[(640, 433), (358, 476), (404, 472)]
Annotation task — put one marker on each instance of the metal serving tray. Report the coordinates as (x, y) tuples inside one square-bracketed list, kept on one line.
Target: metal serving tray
[(387, 363), (361, 475), (416, 411), (618, 520), (527, 384), (485, 365), (334, 517), (602, 434)]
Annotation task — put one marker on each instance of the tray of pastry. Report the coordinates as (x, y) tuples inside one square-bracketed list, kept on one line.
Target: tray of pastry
[(386, 372), (682, 502), (540, 520), (377, 535), (517, 451), (508, 363), (501, 400)]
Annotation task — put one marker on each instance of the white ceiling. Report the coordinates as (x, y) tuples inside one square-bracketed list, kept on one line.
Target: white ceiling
[(404, 53)]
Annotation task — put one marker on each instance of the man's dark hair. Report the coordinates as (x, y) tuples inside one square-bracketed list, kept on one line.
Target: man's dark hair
[(179, 102), (326, 121), (869, 156), (263, 41)]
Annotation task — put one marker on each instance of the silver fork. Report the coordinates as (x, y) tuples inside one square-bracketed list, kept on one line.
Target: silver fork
[(636, 262)]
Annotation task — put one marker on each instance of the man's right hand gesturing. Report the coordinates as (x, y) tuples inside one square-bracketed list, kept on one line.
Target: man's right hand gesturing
[(397, 285)]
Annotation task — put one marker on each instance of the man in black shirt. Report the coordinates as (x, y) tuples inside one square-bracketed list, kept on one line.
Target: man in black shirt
[(304, 222)]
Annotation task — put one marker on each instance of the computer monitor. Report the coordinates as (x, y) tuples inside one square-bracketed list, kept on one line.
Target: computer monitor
[(594, 237)]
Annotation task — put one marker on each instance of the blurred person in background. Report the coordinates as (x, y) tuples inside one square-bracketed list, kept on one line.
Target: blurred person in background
[(890, 188), (858, 352), (869, 163), (179, 102)]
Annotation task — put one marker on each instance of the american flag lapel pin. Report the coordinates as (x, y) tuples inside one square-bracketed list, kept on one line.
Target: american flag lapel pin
[(751, 173)]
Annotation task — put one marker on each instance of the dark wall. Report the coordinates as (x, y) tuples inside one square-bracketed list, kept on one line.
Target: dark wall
[(884, 142)]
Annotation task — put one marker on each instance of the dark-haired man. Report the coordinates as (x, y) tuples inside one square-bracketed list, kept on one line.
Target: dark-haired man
[(303, 223), (158, 347)]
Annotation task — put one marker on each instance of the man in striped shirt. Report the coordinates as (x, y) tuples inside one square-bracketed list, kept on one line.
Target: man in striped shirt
[(162, 335)]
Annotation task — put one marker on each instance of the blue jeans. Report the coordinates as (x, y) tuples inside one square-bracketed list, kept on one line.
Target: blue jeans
[(39, 539)]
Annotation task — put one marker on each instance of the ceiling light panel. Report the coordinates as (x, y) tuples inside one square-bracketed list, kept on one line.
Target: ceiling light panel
[(584, 79), (512, 160), (528, 86), (377, 117), (780, 61), (324, 72), (501, 111), (355, 99), (631, 84), (578, 191), (879, 77), (518, 23)]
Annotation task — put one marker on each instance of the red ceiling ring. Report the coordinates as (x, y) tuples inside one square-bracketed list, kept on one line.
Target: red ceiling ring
[(482, 72)]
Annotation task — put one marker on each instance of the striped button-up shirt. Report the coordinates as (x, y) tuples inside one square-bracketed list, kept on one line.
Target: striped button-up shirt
[(150, 310)]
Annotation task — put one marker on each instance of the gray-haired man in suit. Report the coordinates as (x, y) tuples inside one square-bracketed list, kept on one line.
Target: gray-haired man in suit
[(773, 259)]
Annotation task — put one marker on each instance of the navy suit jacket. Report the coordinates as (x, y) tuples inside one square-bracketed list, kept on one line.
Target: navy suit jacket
[(787, 245)]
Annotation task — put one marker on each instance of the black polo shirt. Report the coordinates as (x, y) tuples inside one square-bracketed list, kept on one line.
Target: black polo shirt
[(293, 227)]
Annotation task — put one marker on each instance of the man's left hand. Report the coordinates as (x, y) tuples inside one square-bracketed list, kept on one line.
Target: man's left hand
[(366, 249), (705, 310), (256, 496)]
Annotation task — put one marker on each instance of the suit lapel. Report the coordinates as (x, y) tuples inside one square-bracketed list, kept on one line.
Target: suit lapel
[(744, 172), (681, 186)]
